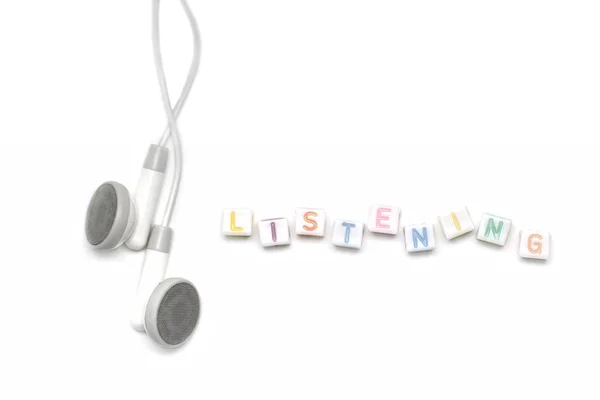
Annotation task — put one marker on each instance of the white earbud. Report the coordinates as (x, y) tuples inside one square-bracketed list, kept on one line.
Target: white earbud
[(168, 310), (110, 216), (114, 217), (154, 268)]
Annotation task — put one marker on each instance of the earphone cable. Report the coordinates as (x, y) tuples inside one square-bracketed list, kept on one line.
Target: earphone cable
[(170, 112), (192, 73)]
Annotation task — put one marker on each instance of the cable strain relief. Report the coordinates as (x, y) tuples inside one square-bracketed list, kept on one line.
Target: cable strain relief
[(161, 239), (156, 158)]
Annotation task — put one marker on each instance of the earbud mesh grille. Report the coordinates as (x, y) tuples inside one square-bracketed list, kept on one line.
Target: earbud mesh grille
[(178, 313), (101, 214)]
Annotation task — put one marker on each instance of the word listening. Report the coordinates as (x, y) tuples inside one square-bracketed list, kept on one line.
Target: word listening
[(534, 244)]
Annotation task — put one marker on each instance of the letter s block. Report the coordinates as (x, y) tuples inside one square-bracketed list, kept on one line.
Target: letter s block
[(310, 222), (534, 244)]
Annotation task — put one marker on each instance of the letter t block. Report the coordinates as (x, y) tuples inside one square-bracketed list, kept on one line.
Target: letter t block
[(347, 234)]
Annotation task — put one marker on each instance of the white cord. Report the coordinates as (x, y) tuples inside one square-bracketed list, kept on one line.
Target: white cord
[(170, 112), (193, 71)]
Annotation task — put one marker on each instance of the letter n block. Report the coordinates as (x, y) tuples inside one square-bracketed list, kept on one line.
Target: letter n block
[(419, 237), (493, 229)]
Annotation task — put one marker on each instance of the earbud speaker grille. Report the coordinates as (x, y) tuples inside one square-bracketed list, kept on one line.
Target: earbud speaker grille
[(101, 214), (178, 313)]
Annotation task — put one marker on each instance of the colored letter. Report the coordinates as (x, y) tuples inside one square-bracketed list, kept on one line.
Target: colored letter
[(312, 222), (232, 223), (455, 220), (273, 232), (380, 217), (348, 227), (491, 227), (534, 247), (417, 237)]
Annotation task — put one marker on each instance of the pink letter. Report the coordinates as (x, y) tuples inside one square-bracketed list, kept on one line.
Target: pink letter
[(380, 217)]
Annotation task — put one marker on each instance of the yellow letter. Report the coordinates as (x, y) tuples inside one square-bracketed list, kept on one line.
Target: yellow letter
[(455, 220), (232, 223)]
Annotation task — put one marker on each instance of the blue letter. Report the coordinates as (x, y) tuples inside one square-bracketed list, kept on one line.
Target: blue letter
[(348, 227), (423, 239)]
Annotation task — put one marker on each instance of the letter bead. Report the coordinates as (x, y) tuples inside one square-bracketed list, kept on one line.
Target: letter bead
[(310, 222), (347, 234), (456, 224), (493, 229), (419, 237), (274, 232), (384, 219), (534, 244), (237, 222)]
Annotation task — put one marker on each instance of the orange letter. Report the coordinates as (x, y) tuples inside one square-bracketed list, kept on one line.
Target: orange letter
[(312, 222), (232, 223), (534, 247)]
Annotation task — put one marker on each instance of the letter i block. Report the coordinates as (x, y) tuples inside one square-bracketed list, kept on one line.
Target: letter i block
[(419, 237), (384, 219), (347, 234), (456, 224), (535, 244), (493, 229), (274, 232), (310, 222), (237, 222)]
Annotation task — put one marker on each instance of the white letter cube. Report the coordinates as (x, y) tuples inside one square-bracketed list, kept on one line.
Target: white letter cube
[(274, 232), (534, 244), (347, 234), (493, 229), (456, 223), (237, 222), (310, 222), (384, 219), (419, 237)]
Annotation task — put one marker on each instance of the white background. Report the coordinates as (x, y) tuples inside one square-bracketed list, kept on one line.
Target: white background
[(319, 103)]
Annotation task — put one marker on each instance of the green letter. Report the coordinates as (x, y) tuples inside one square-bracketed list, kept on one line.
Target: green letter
[(491, 227)]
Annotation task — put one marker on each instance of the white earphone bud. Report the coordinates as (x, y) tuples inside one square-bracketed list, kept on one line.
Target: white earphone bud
[(110, 217), (114, 217), (168, 310)]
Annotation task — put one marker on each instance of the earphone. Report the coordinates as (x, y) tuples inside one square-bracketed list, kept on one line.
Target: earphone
[(168, 310)]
